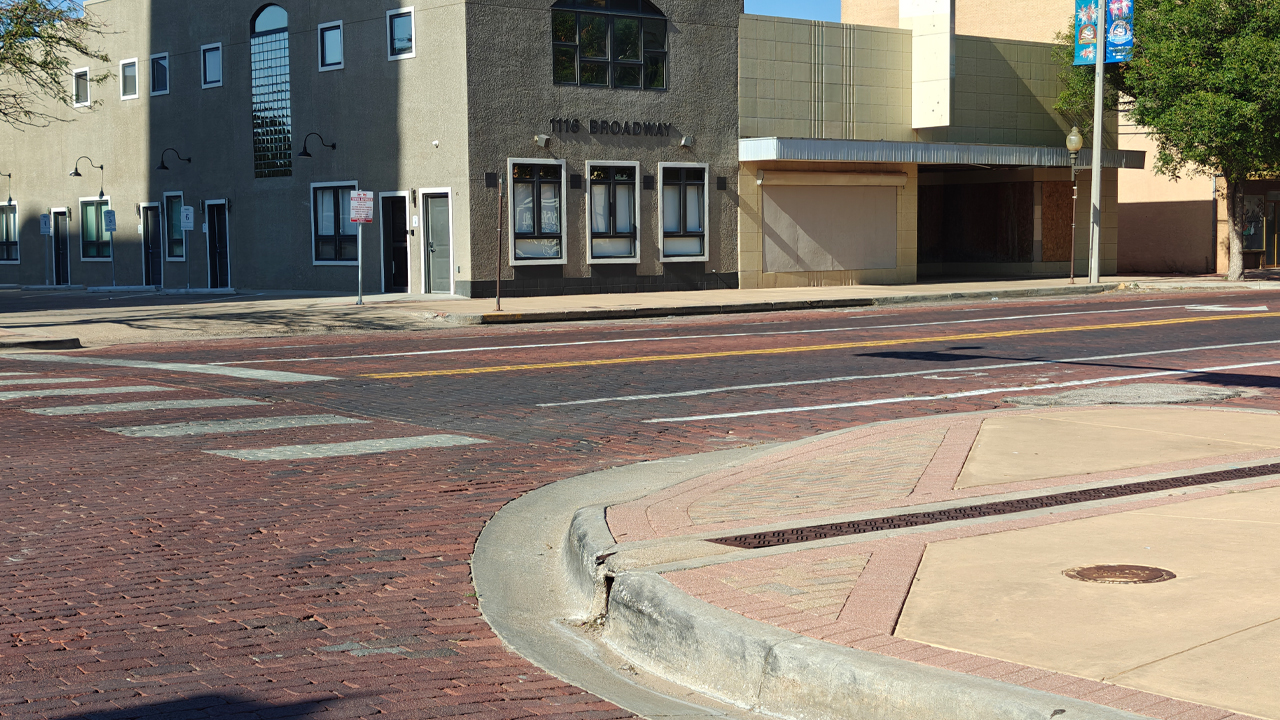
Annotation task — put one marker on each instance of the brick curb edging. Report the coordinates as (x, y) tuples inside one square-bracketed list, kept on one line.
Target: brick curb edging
[(773, 671), (772, 306)]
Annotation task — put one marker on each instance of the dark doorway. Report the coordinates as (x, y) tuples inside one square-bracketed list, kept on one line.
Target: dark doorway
[(395, 243), (152, 247), (219, 253), (61, 248)]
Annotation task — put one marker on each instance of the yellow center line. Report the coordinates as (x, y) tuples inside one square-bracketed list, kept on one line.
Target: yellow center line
[(813, 348)]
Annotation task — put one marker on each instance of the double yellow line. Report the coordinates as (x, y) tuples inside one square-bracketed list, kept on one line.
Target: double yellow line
[(813, 348)]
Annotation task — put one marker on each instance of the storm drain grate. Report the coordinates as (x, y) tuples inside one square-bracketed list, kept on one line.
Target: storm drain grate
[(972, 512)]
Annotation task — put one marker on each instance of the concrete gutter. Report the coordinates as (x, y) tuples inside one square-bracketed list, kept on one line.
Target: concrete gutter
[(771, 306)]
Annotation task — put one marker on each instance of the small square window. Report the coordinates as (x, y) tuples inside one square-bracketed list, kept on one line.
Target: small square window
[(129, 79), (81, 89), (211, 66), (160, 74), (331, 46), (400, 34)]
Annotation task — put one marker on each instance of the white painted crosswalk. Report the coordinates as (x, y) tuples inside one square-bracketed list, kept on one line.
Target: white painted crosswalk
[(227, 427), (68, 392), (146, 406), (44, 381), (359, 447)]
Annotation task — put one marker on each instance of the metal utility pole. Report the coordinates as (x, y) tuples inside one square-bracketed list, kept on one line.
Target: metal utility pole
[(1095, 179)]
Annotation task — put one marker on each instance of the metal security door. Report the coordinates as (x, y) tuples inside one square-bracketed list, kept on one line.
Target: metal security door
[(219, 255), (152, 246), (395, 244), (61, 249), (439, 245)]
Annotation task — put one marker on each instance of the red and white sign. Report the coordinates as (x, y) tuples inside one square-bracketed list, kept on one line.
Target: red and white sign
[(361, 206)]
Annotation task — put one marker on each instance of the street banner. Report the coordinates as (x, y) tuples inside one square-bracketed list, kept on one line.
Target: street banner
[(361, 207), (1117, 31)]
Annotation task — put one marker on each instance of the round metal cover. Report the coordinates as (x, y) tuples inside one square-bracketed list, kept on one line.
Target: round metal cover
[(1119, 574)]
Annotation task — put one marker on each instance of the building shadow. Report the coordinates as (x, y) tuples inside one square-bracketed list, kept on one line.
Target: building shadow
[(211, 707)]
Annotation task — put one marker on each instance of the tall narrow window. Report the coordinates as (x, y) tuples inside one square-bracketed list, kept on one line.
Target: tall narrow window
[(684, 207), (160, 74), (129, 79), (613, 212), (175, 238), (400, 34), (8, 234), (536, 212), (211, 66), (609, 43), (95, 243), (336, 237), (272, 107), (81, 90), (330, 43)]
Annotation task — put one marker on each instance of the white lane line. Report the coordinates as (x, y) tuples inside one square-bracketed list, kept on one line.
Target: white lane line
[(143, 406), (850, 378), (14, 374), (64, 392), (48, 381), (223, 427), (359, 447), (690, 337), (965, 394), (1226, 308), (244, 373)]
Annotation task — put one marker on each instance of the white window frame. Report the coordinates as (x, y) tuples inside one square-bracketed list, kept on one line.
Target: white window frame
[(137, 79), (311, 209), (564, 214), (423, 194), (413, 26), (88, 88), (342, 34), (204, 85), (151, 80), (17, 236), (110, 242), (636, 220), (706, 214), (164, 227)]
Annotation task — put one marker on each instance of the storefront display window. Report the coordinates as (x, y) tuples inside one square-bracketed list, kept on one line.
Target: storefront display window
[(618, 43), (684, 203), (536, 211), (613, 212)]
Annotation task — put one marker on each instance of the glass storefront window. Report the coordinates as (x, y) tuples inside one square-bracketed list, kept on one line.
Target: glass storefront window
[(536, 211), (684, 202), (613, 212)]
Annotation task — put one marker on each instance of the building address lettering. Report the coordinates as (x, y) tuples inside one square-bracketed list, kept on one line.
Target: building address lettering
[(610, 127)]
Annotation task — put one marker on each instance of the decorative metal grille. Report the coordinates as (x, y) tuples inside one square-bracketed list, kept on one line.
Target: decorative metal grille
[(272, 108)]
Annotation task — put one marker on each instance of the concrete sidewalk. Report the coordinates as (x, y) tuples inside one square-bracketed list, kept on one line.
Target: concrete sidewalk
[(930, 568)]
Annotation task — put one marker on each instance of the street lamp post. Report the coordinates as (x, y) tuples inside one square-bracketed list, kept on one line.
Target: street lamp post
[(1074, 142)]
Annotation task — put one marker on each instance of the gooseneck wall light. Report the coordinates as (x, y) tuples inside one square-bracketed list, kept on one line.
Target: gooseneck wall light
[(101, 174), (306, 153), (176, 154)]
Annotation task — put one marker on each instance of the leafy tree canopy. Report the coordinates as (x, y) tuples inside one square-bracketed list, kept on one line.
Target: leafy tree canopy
[(38, 40)]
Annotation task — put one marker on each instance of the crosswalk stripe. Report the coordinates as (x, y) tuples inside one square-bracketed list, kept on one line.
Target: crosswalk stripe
[(217, 427), (47, 381), (236, 372), (143, 406), (359, 447), (64, 392)]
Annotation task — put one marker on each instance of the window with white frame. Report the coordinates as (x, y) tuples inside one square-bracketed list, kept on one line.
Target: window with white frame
[(336, 237), (211, 66), (401, 40), (160, 74), (95, 242), (537, 213), (330, 44), (8, 233), (80, 80), (129, 79), (175, 238), (684, 210), (612, 193)]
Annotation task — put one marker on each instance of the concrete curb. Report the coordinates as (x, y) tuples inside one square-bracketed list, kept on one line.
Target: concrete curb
[(45, 288), (123, 288), (40, 344), (776, 672), (770, 306)]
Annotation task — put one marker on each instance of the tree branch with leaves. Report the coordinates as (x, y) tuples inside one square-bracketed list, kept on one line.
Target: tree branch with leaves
[(38, 40)]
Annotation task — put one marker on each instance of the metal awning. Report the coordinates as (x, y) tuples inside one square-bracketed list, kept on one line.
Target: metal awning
[(884, 151)]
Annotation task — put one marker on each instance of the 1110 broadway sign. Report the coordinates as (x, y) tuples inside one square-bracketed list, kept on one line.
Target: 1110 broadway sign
[(1117, 31)]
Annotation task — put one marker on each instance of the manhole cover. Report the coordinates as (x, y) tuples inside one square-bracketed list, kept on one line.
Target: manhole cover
[(1119, 574)]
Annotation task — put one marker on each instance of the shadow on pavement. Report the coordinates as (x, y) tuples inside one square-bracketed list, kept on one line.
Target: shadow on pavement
[(205, 707)]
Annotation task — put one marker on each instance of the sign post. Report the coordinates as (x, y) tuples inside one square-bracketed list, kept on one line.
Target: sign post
[(361, 214), (109, 227)]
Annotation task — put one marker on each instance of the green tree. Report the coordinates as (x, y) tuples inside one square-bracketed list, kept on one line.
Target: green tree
[(1205, 82), (38, 39)]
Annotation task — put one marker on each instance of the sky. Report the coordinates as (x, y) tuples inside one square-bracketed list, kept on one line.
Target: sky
[(808, 9)]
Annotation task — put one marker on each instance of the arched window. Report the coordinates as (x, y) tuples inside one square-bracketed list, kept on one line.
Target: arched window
[(609, 43), (272, 109)]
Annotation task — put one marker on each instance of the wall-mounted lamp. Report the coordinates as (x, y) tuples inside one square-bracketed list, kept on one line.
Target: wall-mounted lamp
[(306, 154), (101, 174), (542, 140), (435, 144), (686, 141), (176, 154)]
